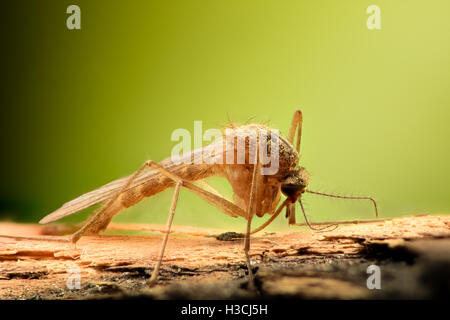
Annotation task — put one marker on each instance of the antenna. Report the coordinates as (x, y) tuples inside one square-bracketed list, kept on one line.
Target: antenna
[(347, 197)]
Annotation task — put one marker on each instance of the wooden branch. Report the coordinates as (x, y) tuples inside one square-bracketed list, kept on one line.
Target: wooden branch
[(290, 263)]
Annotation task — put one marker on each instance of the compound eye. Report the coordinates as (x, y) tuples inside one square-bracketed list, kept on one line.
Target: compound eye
[(291, 190)]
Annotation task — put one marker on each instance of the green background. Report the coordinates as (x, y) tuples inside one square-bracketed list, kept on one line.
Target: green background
[(83, 107)]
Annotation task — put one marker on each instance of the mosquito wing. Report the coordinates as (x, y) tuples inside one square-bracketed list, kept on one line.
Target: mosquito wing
[(96, 196), (185, 166)]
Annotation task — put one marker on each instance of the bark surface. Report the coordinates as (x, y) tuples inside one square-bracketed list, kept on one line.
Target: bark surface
[(413, 254)]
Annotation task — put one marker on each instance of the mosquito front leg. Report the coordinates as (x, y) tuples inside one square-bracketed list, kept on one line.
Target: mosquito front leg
[(269, 221), (302, 224), (250, 210), (297, 122)]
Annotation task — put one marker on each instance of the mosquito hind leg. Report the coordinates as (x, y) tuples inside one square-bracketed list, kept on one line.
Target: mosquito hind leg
[(102, 217)]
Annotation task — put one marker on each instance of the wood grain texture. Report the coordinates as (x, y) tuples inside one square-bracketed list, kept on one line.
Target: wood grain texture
[(298, 263)]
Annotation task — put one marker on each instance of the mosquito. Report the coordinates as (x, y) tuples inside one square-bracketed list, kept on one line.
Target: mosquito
[(253, 192)]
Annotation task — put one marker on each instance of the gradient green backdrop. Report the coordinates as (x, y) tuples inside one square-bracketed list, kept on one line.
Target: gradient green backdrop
[(83, 107)]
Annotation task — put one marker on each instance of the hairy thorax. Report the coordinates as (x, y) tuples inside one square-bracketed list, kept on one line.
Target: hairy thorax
[(268, 186)]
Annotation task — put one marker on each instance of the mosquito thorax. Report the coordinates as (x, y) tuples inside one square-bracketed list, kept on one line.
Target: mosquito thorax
[(295, 183)]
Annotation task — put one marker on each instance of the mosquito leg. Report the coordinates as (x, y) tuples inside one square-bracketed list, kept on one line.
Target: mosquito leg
[(212, 198), (43, 238), (269, 221), (223, 204), (286, 202), (154, 276), (250, 211), (100, 219), (251, 281), (296, 123), (220, 202), (301, 224)]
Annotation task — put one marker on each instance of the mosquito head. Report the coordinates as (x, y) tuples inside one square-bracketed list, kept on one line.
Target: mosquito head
[(295, 183)]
